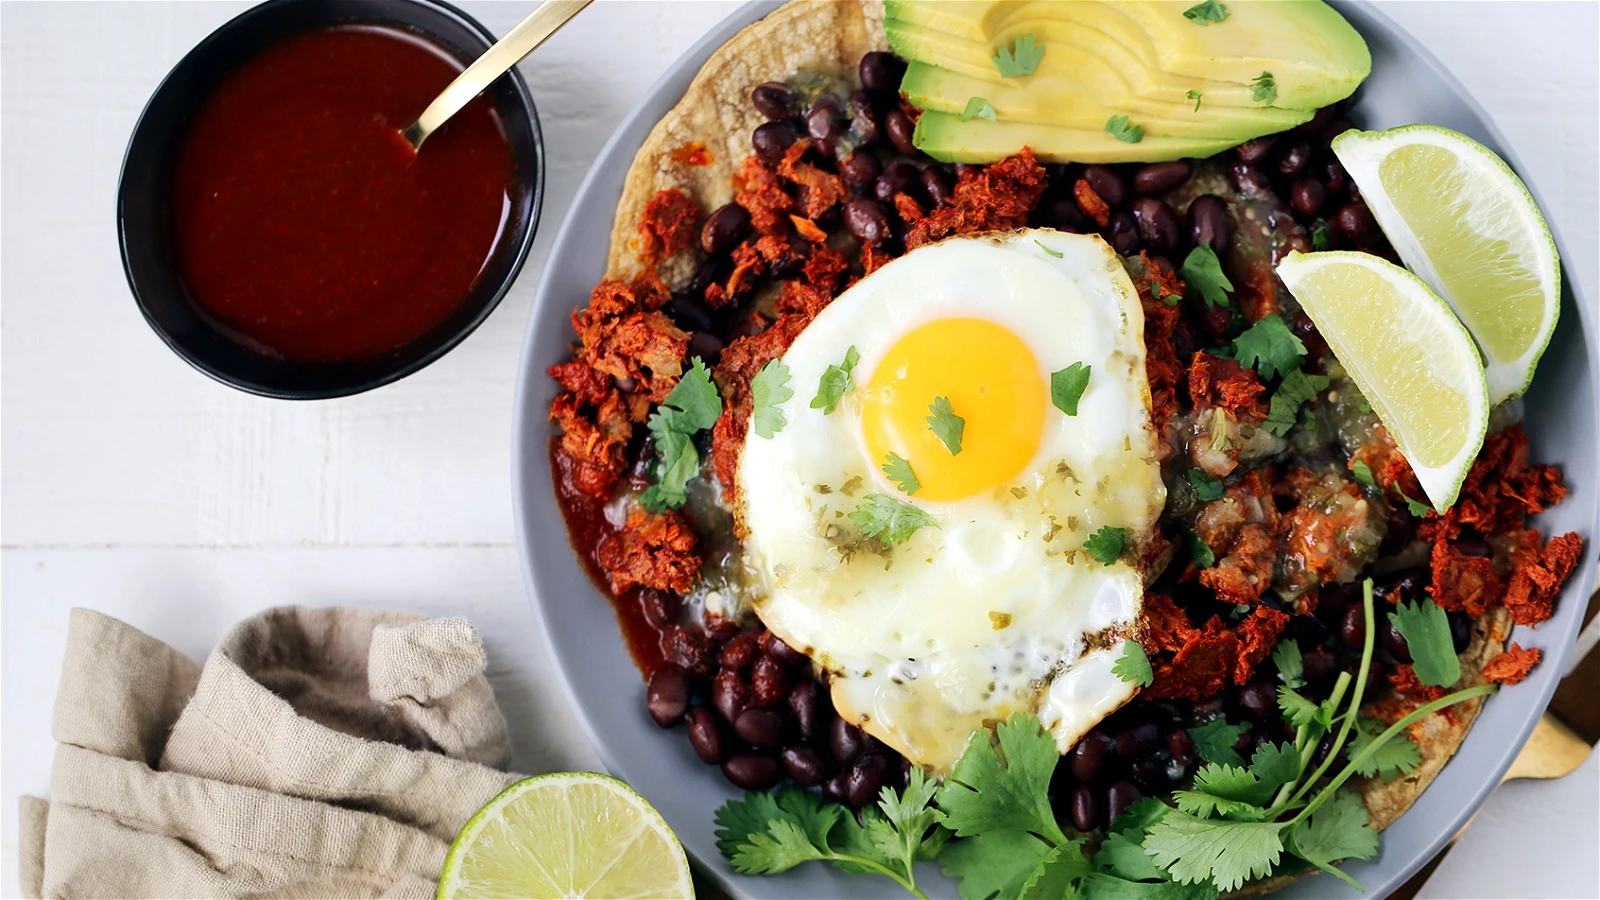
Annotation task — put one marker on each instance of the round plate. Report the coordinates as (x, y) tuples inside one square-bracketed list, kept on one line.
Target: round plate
[(1407, 85)]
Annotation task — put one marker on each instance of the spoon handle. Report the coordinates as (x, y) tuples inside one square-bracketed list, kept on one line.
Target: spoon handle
[(506, 52)]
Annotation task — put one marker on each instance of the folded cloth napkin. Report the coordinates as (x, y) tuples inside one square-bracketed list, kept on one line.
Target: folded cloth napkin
[(318, 753)]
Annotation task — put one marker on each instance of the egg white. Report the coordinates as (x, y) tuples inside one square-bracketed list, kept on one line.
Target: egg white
[(998, 609)]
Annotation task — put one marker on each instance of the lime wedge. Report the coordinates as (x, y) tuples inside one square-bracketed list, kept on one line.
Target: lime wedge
[(1462, 220), (1409, 355), (572, 834)]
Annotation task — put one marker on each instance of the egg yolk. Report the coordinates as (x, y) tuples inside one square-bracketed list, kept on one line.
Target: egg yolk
[(992, 381)]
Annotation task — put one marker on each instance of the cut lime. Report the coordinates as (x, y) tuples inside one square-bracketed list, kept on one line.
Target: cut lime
[(1462, 220), (572, 834), (1409, 355)]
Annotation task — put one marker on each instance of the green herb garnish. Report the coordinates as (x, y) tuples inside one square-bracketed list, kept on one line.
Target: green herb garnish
[(1195, 96), (1320, 239), (1199, 551), (1207, 12), (768, 391), (1105, 545), (1363, 474), (1133, 666), (1020, 59), (1206, 486), (887, 519), (977, 108), (1286, 656), (1427, 632), (1269, 346), (691, 407), (1214, 742), (945, 424), (899, 472), (1056, 253), (1202, 271), (1417, 507), (1296, 389), (1067, 387), (1263, 89), (835, 383), (1119, 128)]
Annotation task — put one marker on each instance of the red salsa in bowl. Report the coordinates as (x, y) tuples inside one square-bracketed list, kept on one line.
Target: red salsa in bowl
[(279, 232)]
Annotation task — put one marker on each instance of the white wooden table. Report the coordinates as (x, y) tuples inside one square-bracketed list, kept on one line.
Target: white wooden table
[(138, 487)]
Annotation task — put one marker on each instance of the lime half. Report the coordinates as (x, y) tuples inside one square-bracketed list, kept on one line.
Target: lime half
[(1409, 355), (574, 834), (1462, 220)]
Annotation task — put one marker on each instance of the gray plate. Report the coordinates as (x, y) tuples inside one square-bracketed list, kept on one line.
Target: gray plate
[(1407, 85)]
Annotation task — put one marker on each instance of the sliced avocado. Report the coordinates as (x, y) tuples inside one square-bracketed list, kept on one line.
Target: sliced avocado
[(945, 137), (1051, 100)]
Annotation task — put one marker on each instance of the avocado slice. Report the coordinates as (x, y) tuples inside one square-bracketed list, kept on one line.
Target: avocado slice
[(1051, 100), (945, 137)]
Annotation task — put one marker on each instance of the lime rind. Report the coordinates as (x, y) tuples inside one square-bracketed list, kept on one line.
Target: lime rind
[(450, 881), (1442, 482), (1361, 152)]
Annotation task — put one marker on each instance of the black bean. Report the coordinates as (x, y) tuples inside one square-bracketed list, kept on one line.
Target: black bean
[(938, 184), (804, 766), (1356, 221), (1336, 127), (772, 140), (863, 120), (1259, 697), (1353, 630), (864, 218), (1107, 184), (759, 727), (1088, 810), (774, 99), (1138, 740), (1318, 121), (824, 124), (667, 697), (1119, 797), (1124, 233), (1246, 741), (1318, 663), (1390, 638), (1164, 712), (834, 788), (705, 345), (1460, 630), (751, 771), (900, 129), (1158, 178), (1336, 175), (705, 734), (897, 178), (688, 310), (663, 608), (1150, 773), (860, 167), (846, 741), (805, 701), (1249, 180), (1322, 753), (1295, 156), (1307, 196), (687, 647), (1158, 224), (881, 71), (724, 228), (861, 785), (729, 694), (769, 682), (1407, 583), (1180, 746), (1253, 151), (1211, 224), (782, 652), (1089, 754)]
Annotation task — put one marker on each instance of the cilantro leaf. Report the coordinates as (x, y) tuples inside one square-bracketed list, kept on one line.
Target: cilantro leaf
[(1363, 474), (1124, 857), (1416, 507), (1139, 815), (1427, 634), (1199, 551), (693, 404), (1021, 58), (1056, 253), (1202, 271), (1233, 783), (1320, 239), (1120, 128), (1100, 886), (977, 108), (1300, 712), (767, 833), (1067, 387), (1228, 854), (1269, 346), (1214, 742), (989, 791), (691, 407), (1276, 764), (945, 424), (767, 391), (1207, 12), (1339, 829), (1286, 656), (1396, 757), (1206, 486), (890, 520), (1296, 389), (993, 864), (1195, 96), (899, 472), (1263, 89), (910, 815), (1210, 806), (1106, 544), (1056, 873), (1133, 666), (835, 383)]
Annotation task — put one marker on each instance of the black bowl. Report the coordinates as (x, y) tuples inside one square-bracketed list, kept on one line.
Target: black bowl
[(144, 207)]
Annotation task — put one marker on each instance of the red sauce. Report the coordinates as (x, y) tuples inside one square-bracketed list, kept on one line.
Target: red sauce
[(304, 222)]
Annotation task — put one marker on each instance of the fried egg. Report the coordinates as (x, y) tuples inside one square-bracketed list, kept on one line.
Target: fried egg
[(996, 607)]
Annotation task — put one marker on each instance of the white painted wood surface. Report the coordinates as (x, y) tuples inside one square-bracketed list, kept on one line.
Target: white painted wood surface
[(138, 487)]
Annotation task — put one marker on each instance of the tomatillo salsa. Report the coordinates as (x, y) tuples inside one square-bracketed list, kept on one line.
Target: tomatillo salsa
[(307, 227)]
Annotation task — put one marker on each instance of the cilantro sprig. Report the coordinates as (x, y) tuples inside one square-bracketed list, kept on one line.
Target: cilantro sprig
[(1264, 89), (1284, 410), (693, 406), (1067, 387), (1133, 666), (1206, 486), (1120, 128), (1195, 96), (1426, 630), (1202, 272), (1021, 58), (1415, 507), (768, 392), (1269, 346), (887, 519), (1207, 12), (899, 471), (945, 424), (1106, 544), (835, 383), (977, 108)]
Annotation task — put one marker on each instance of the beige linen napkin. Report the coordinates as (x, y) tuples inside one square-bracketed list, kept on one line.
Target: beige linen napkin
[(318, 753)]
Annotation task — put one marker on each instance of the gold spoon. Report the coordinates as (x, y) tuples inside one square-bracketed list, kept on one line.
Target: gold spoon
[(506, 52)]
